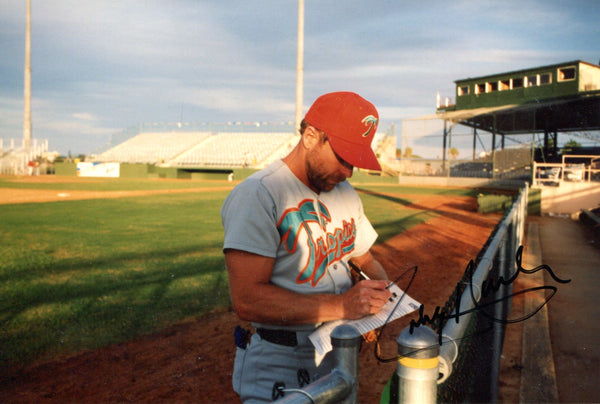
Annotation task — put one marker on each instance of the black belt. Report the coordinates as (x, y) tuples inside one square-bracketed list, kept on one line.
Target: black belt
[(280, 337)]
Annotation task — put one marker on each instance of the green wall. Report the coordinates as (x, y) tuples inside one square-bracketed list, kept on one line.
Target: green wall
[(133, 171), (521, 95), (67, 169)]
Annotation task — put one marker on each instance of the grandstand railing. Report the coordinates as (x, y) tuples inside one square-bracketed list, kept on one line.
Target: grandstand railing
[(458, 358), (16, 158), (574, 168)]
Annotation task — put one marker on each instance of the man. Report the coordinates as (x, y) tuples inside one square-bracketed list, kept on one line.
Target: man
[(290, 231)]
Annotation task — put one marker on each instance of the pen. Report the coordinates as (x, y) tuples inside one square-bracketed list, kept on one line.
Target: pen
[(365, 277), (358, 271)]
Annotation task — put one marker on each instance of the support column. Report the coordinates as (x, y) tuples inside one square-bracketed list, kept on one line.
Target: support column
[(493, 145), (444, 148), (27, 89), (474, 142), (300, 66)]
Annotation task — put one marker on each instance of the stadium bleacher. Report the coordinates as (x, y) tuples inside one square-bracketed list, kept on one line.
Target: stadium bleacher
[(235, 150), (196, 149), (153, 148), (201, 149)]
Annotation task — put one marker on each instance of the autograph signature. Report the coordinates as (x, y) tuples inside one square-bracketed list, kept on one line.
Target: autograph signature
[(491, 285)]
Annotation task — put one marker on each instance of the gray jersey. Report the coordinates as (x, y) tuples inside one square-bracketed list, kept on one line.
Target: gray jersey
[(310, 235)]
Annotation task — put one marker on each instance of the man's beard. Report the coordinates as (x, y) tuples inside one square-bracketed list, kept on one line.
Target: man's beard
[(320, 181)]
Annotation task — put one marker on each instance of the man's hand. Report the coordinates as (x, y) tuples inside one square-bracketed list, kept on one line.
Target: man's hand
[(364, 298)]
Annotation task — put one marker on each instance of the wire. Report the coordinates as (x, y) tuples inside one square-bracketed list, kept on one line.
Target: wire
[(377, 348)]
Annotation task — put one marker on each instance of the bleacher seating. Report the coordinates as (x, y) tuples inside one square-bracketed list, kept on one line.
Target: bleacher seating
[(234, 149), (153, 148)]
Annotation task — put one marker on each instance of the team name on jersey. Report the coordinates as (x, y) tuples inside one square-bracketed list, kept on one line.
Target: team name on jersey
[(325, 248)]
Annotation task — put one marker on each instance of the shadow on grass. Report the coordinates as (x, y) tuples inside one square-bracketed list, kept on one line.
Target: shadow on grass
[(387, 228), (76, 304), (389, 198)]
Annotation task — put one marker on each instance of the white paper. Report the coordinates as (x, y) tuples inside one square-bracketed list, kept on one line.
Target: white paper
[(321, 337)]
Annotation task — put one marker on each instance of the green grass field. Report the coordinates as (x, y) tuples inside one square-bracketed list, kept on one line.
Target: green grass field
[(78, 275)]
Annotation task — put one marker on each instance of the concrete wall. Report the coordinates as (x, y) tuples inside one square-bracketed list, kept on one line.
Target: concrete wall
[(458, 182), (570, 197)]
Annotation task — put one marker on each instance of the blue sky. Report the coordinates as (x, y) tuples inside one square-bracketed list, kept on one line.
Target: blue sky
[(99, 67)]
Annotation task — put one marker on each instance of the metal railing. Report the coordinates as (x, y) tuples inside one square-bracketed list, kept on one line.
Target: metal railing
[(470, 330), (339, 386), (458, 359), (574, 168), (15, 157)]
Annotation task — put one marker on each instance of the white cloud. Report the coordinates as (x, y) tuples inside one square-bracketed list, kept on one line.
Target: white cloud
[(85, 116)]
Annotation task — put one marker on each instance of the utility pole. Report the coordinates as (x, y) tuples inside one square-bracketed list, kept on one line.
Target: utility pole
[(27, 90), (300, 65)]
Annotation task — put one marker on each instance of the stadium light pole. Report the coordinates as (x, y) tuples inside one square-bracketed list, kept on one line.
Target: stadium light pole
[(300, 65), (27, 89)]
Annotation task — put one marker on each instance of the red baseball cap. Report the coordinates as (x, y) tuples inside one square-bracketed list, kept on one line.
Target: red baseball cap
[(350, 123)]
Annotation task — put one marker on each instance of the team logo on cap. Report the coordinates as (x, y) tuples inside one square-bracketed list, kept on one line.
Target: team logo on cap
[(371, 122)]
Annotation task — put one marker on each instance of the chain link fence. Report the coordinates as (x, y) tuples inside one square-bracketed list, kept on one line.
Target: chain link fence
[(462, 152)]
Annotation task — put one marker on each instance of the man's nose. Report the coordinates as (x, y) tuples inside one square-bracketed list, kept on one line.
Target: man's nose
[(347, 169)]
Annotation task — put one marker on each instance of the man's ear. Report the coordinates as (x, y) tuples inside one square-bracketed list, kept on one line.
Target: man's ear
[(311, 137)]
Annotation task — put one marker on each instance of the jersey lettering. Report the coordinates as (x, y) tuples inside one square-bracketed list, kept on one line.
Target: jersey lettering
[(323, 250)]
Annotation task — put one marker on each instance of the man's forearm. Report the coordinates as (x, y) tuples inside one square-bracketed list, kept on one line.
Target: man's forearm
[(271, 304)]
